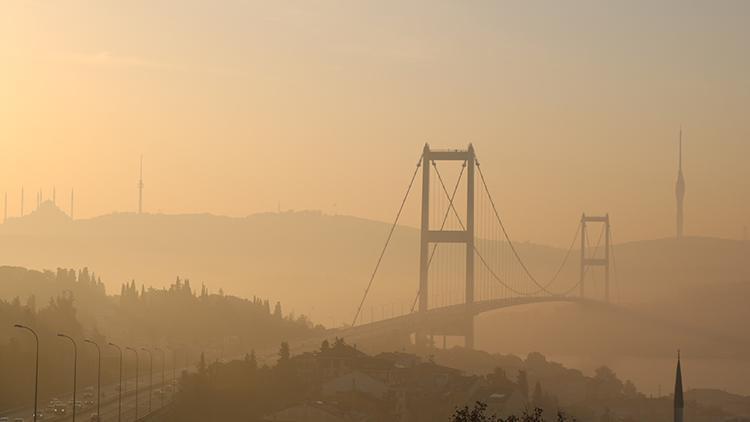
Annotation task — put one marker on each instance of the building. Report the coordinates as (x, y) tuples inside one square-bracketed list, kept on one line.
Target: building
[(355, 381), (316, 412), (679, 402)]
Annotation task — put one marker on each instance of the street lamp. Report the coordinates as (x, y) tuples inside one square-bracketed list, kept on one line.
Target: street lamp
[(150, 376), (163, 362), (75, 370), (36, 368), (98, 378), (119, 397), (136, 379)]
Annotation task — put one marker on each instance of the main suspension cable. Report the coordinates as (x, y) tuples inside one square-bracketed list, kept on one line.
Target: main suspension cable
[(388, 240), (507, 237)]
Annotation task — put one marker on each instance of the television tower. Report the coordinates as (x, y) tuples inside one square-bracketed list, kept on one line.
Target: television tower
[(140, 189), (680, 193)]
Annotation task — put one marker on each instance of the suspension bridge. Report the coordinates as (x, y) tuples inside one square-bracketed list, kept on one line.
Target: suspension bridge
[(468, 263)]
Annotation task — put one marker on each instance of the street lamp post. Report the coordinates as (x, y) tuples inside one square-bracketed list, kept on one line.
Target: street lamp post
[(119, 396), (36, 367), (75, 370), (163, 387), (136, 379), (98, 379), (150, 376)]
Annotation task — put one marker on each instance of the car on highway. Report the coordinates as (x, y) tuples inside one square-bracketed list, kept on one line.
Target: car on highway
[(59, 408), (4, 419), (94, 418), (18, 420)]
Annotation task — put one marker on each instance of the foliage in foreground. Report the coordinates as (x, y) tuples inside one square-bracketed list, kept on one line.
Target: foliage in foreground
[(479, 414)]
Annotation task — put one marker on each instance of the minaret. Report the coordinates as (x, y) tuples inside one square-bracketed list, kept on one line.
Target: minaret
[(680, 194), (679, 403), (71, 203), (140, 190)]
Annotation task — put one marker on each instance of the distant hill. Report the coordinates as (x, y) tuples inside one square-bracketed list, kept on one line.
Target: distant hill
[(312, 260)]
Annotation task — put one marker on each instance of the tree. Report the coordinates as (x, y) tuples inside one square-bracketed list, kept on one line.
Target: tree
[(253, 361), (629, 390), (202, 364), (277, 310), (31, 303), (83, 276), (523, 384), (538, 397), (284, 353), (325, 346), (605, 385), (476, 414), (479, 414)]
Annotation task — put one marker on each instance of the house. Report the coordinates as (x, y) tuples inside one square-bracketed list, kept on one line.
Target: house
[(355, 381), (316, 412)]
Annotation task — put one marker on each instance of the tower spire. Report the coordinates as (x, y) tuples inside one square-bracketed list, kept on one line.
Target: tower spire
[(679, 402)]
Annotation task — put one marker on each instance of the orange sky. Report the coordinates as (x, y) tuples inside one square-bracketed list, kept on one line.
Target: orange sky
[(325, 105)]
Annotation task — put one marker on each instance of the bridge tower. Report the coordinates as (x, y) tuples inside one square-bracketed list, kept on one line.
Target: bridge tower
[(587, 262), (429, 236)]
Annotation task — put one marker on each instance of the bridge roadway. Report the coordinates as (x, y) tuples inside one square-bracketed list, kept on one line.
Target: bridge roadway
[(447, 320)]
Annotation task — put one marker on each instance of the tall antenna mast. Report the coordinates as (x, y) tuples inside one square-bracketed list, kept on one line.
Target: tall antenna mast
[(680, 193), (140, 189), (680, 149), (71, 203)]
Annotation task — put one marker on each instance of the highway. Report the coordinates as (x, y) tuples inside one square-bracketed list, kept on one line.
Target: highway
[(109, 405)]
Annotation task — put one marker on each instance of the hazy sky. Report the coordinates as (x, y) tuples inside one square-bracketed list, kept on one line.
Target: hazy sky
[(235, 105)]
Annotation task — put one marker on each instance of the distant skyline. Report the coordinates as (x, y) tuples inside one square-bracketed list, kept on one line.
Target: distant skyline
[(326, 106)]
